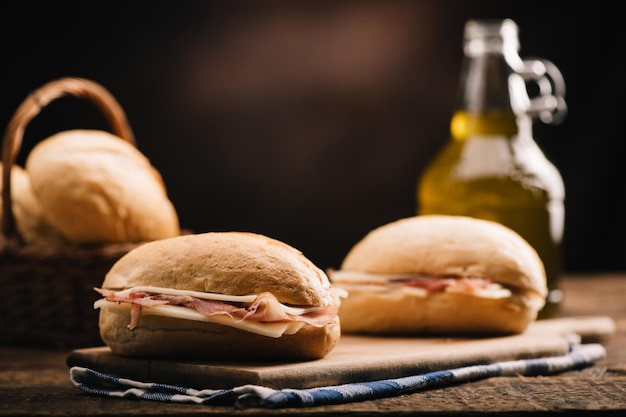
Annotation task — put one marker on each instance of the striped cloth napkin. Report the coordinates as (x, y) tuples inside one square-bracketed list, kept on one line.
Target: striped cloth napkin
[(247, 396)]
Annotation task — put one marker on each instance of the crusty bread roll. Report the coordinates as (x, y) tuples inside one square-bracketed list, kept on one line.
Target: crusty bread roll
[(97, 188), (436, 274), (217, 264), (27, 211)]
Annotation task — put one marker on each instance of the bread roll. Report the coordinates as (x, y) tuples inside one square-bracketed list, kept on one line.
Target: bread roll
[(27, 211), (98, 188), (427, 275), (170, 338), (224, 263)]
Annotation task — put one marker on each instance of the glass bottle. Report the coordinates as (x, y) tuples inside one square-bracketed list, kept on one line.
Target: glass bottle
[(491, 167)]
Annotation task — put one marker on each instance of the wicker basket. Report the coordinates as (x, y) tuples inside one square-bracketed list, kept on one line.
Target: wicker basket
[(46, 290)]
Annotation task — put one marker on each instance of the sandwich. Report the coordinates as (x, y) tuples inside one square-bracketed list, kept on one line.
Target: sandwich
[(218, 296), (440, 275)]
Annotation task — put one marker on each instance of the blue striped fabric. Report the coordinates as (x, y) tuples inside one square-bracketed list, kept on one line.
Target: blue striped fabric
[(247, 396)]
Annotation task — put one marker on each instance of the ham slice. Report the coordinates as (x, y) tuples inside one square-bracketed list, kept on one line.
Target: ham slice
[(478, 286), (264, 309)]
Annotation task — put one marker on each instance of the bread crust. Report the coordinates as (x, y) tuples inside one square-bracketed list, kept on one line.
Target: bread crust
[(443, 246), (163, 337), (453, 314), (27, 210), (98, 188), (234, 263)]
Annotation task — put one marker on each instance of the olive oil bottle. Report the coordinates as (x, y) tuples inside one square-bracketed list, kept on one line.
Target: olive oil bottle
[(491, 167)]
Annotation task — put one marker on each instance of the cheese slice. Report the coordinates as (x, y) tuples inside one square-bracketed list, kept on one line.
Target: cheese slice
[(275, 330), (198, 294)]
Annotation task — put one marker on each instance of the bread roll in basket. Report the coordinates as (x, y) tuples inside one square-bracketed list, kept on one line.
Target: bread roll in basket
[(83, 200)]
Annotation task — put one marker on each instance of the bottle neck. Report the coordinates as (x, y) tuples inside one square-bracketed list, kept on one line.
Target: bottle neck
[(484, 99), (484, 85), (465, 125)]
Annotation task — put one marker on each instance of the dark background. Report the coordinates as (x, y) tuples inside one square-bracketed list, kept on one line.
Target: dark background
[(311, 121)]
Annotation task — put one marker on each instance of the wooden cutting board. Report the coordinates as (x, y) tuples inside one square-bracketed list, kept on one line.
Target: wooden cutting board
[(355, 358)]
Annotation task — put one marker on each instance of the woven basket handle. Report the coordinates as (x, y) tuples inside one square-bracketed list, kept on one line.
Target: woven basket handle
[(31, 107)]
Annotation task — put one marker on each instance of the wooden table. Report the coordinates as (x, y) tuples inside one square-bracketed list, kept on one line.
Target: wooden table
[(36, 382)]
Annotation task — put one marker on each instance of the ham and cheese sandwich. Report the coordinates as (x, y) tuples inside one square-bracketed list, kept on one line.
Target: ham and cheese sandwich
[(218, 295), (439, 274)]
